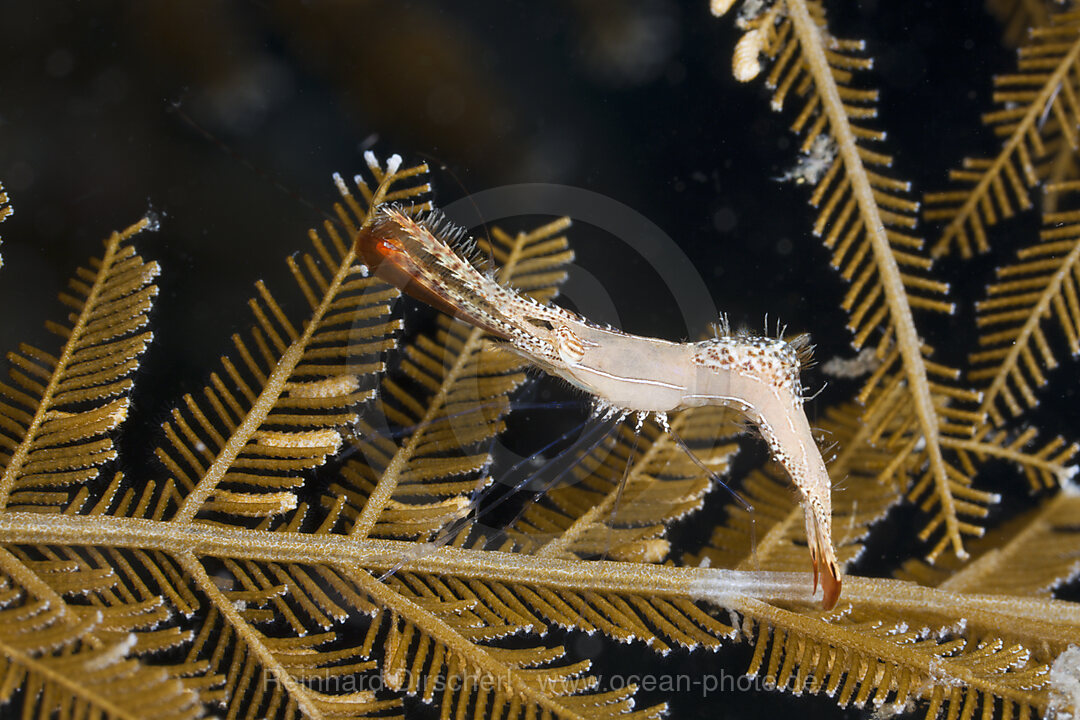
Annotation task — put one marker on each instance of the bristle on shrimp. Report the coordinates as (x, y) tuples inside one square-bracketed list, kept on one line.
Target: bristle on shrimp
[(456, 237), (722, 326), (417, 254), (804, 349)]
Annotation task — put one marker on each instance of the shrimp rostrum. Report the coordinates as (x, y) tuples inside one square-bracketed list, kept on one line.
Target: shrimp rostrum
[(433, 261)]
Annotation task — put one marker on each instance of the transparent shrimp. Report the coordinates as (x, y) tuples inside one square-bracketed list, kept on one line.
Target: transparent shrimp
[(433, 261)]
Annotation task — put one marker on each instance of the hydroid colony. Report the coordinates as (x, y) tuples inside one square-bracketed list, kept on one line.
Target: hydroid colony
[(233, 577)]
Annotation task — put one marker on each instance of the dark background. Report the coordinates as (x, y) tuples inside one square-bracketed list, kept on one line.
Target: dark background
[(228, 119)]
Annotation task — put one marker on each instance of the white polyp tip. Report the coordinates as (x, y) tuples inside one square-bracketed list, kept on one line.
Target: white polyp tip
[(339, 183), (371, 160), (719, 7), (393, 164), (1067, 478)]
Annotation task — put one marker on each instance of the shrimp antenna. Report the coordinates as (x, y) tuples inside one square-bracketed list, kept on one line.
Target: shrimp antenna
[(444, 167), (716, 478), (619, 492), (607, 425), (176, 107), (450, 532), (525, 480), (711, 473), (354, 433)]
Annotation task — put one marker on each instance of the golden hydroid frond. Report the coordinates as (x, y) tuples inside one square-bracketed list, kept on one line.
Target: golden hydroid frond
[(265, 643), (437, 625), (307, 551), (1016, 16), (1039, 108), (456, 391), (56, 419), (1043, 556), (623, 499), (56, 415), (1038, 292), (79, 659), (282, 408), (601, 595), (1030, 556), (268, 601), (863, 660), (912, 402)]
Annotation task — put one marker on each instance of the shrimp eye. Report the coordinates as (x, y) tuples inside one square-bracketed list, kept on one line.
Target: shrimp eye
[(376, 245), (389, 247)]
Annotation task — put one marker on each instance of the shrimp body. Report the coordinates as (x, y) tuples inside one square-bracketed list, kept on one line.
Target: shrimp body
[(624, 373), (620, 368)]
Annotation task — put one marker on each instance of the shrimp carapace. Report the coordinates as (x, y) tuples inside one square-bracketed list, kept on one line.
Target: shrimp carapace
[(383, 247)]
